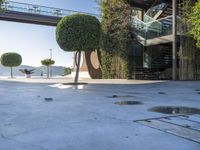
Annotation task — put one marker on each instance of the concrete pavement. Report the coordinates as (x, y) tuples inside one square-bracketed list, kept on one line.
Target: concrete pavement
[(88, 119)]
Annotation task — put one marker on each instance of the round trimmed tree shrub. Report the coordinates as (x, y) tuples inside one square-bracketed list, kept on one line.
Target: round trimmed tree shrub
[(11, 60), (78, 32), (47, 62)]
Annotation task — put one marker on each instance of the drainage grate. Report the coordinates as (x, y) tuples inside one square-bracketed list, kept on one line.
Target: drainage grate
[(184, 126)]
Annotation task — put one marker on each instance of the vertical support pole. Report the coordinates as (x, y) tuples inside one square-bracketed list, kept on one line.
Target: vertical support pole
[(50, 67), (11, 72), (174, 31)]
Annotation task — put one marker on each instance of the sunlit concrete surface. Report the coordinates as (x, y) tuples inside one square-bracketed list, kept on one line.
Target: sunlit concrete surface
[(70, 80), (87, 118)]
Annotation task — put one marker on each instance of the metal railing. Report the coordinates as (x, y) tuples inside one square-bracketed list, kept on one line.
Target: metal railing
[(153, 29), (40, 10), (148, 18), (155, 9)]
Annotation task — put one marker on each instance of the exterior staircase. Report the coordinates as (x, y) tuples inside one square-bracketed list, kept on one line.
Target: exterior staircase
[(155, 30), (142, 73), (163, 60), (167, 12)]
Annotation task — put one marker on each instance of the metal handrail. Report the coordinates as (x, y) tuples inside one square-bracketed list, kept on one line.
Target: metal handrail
[(159, 20), (156, 7), (151, 6), (154, 28), (146, 23), (38, 9)]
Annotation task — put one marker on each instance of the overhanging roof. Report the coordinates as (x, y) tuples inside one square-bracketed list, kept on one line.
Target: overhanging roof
[(144, 3), (141, 3)]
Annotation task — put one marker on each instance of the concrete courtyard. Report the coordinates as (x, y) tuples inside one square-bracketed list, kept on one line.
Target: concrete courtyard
[(49, 116)]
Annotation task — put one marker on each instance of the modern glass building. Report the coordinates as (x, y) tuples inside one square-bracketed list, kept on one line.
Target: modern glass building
[(156, 44)]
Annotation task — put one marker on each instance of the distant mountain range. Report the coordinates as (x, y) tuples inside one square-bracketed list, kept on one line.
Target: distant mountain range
[(56, 70)]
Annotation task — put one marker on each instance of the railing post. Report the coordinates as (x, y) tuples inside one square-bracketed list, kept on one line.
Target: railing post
[(174, 31)]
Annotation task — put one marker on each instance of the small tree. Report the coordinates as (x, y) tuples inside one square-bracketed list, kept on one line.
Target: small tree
[(78, 32), (1, 2), (47, 62), (11, 60)]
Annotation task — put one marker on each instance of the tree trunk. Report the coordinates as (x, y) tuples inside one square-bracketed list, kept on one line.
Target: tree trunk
[(11, 72), (47, 72), (77, 66), (50, 71)]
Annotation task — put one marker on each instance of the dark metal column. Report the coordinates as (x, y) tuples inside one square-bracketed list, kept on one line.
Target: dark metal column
[(174, 31)]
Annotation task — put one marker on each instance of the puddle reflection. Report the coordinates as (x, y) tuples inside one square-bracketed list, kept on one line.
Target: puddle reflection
[(62, 86), (175, 110)]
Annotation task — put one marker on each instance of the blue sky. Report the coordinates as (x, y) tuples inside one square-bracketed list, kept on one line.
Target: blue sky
[(34, 41)]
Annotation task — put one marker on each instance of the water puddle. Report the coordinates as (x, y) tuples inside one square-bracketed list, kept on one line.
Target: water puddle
[(78, 86), (175, 110), (161, 93), (48, 99), (120, 96), (128, 103)]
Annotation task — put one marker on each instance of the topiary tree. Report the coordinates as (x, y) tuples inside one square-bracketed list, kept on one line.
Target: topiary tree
[(47, 62), (78, 32), (1, 2), (11, 60)]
